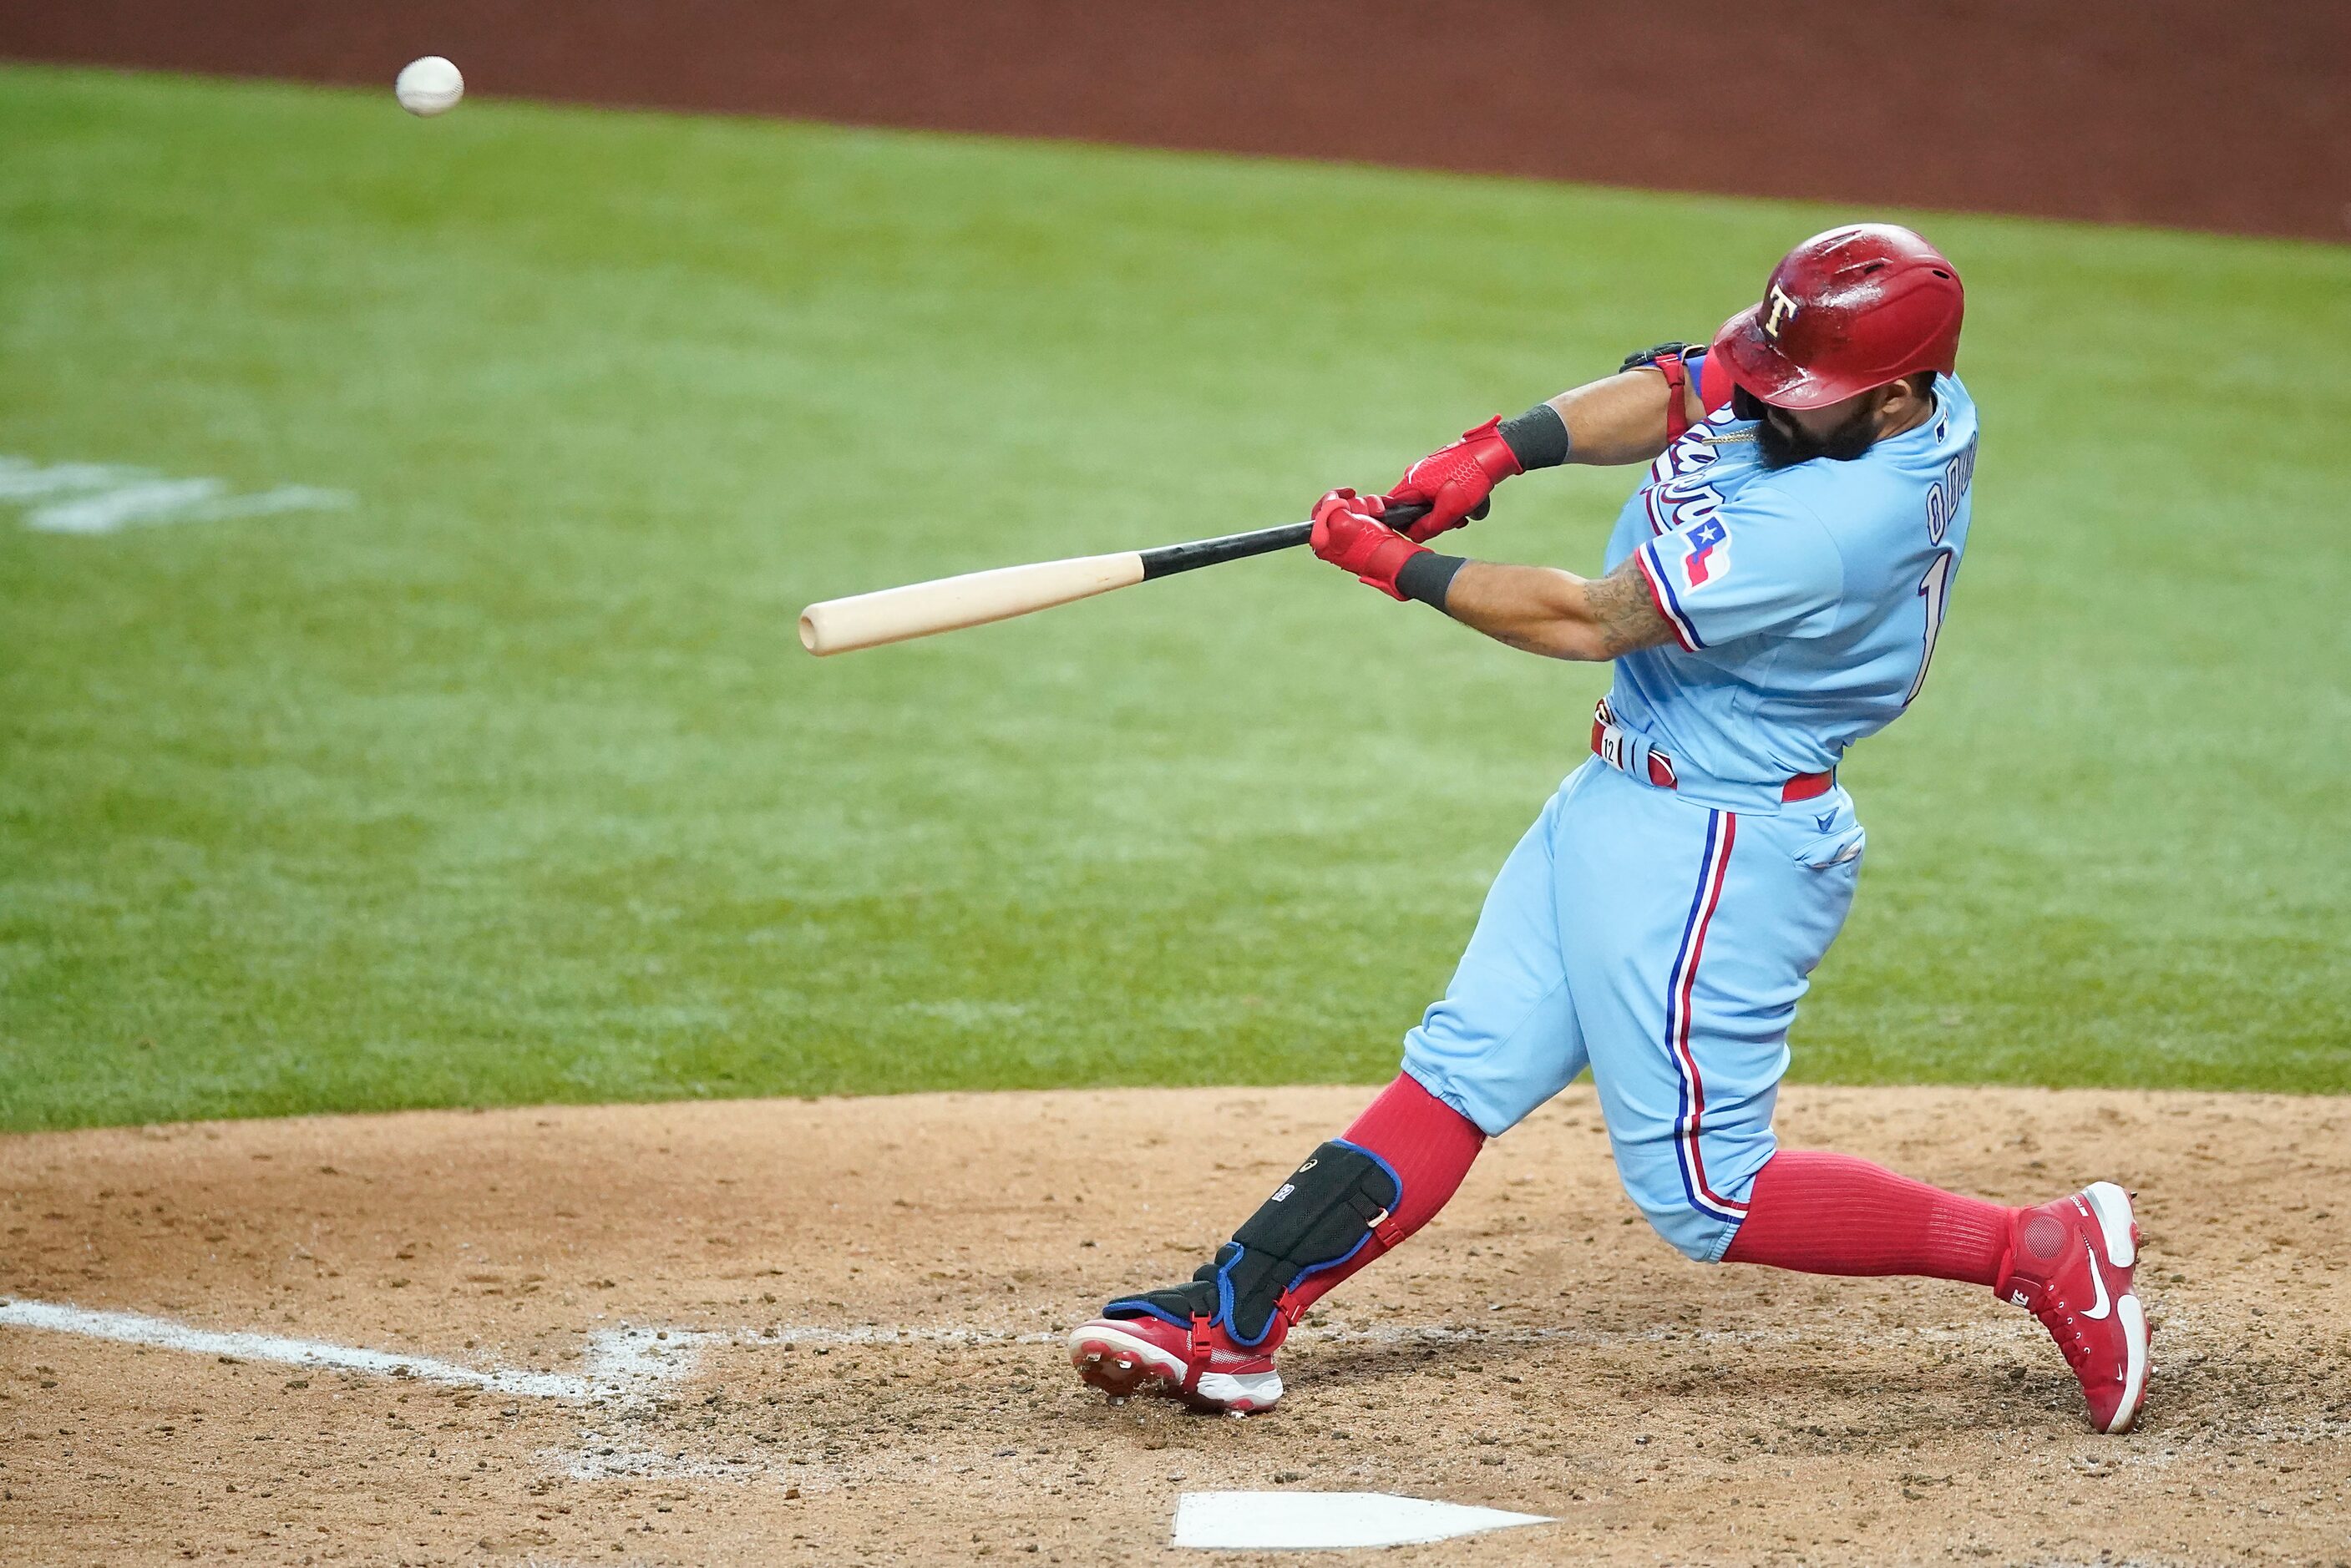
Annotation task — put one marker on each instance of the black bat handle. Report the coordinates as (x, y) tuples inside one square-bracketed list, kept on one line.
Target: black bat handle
[(1169, 559)]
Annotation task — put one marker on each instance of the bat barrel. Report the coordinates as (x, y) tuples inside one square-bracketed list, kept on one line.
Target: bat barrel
[(949, 604), (919, 609)]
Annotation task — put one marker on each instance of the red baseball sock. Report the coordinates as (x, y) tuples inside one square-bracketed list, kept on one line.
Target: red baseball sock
[(1428, 1144), (1832, 1214)]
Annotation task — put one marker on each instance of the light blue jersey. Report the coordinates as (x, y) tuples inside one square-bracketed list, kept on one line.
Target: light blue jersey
[(1659, 925), (1806, 602)]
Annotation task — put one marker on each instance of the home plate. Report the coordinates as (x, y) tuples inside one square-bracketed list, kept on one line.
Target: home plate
[(1320, 1520)]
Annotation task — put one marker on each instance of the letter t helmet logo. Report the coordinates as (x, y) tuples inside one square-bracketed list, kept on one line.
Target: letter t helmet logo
[(1782, 307)]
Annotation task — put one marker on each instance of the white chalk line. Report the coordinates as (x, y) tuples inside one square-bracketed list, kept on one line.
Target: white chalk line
[(104, 497), (623, 1363), (628, 1365), (632, 1357), (1387, 1334), (1397, 1334), (626, 1361)]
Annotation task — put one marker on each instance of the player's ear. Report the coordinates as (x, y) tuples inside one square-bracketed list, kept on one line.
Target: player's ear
[(1896, 401)]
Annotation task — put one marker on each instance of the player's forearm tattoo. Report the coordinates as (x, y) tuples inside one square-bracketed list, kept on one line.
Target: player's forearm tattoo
[(1623, 612), (1540, 610)]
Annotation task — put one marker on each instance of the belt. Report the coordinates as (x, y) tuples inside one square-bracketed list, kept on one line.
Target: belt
[(1630, 754)]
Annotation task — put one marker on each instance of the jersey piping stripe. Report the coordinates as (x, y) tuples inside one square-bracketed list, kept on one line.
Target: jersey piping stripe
[(1661, 589), (1722, 833), (1649, 504)]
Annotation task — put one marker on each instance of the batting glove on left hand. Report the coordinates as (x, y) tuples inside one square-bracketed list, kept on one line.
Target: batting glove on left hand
[(1455, 482)]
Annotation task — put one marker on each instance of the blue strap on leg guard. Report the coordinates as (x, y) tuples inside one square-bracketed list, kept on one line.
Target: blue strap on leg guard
[(1327, 1211)]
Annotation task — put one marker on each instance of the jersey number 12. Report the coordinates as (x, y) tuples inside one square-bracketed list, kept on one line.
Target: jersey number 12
[(1935, 587)]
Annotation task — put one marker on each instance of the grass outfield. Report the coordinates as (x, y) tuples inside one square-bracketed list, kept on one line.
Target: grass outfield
[(509, 782)]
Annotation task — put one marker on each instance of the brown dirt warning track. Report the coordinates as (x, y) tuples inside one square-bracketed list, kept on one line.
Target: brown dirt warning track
[(2181, 112), (825, 1332)]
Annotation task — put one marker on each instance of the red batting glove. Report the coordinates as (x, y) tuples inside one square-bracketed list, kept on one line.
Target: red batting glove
[(1349, 534), (1454, 482)]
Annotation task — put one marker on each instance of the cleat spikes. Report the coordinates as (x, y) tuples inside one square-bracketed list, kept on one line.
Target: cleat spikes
[(1122, 1357)]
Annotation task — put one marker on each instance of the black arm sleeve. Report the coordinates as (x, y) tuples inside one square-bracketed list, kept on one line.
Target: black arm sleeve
[(1537, 438), (1427, 576)]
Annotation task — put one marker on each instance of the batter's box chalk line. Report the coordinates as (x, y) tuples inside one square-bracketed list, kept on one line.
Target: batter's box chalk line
[(632, 1361), (1328, 1520), (106, 497), (621, 1364)]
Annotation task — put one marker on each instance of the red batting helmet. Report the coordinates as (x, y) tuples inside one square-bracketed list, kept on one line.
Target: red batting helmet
[(1845, 311)]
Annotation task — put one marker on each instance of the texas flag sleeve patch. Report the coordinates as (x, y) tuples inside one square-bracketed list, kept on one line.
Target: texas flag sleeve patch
[(1788, 577), (1708, 557)]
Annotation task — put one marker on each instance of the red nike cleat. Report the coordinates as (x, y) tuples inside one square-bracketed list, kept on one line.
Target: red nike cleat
[(2070, 1263), (1197, 1363)]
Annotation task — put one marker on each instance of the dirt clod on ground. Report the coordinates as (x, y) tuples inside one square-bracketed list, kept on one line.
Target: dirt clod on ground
[(864, 1298)]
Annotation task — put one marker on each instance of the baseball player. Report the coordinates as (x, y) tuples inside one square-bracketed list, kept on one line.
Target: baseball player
[(1775, 589)]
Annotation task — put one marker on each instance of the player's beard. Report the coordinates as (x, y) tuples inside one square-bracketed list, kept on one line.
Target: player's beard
[(1785, 446)]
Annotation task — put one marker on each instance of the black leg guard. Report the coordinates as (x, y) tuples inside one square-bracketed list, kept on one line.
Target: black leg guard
[(1331, 1207)]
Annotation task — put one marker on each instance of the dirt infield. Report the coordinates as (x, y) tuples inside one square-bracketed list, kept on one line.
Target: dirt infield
[(824, 1332), (2183, 112)]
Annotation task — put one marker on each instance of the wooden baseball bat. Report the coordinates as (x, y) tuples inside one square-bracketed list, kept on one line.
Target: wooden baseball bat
[(950, 604)]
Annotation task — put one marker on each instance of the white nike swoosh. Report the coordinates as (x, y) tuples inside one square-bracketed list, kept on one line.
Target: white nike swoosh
[(2099, 1280)]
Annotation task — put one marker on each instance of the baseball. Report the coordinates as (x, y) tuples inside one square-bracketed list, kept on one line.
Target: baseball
[(428, 86)]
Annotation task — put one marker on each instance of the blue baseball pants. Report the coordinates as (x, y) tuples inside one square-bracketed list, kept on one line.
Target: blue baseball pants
[(1663, 942)]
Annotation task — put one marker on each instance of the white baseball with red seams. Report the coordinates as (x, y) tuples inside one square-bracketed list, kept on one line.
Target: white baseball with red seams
[(428, 86)]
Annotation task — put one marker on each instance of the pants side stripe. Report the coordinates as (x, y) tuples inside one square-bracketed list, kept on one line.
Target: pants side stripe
[(1722, 833)]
